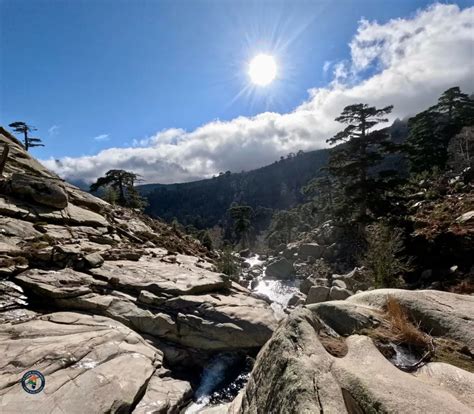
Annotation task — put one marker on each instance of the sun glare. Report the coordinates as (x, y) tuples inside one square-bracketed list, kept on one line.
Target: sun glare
[(262, 70)]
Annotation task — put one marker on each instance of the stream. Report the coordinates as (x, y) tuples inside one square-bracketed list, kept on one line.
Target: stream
[(227, 374)]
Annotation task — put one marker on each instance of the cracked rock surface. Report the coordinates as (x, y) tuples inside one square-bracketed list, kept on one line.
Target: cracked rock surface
[(92, 364)]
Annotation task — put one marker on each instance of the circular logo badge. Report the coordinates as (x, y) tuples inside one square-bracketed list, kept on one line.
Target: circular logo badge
[(33, 382)]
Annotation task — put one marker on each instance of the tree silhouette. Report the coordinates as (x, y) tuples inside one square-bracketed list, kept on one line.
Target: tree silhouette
[(457, 106), (283, 224), (123, 183), (431, 131), (242, 222), (23, 128), (363, 149)]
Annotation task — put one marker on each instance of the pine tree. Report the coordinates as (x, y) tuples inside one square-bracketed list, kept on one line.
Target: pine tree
[(323, 192), (242, 216), (206, 240), (425, 144), (458, 107), (362, 148), (23, 128), (282, 226), (134, 199), (123, 183), (431, 131), (110, 195)]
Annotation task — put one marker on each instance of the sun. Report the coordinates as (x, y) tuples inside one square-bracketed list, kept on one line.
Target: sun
[(262, 70)]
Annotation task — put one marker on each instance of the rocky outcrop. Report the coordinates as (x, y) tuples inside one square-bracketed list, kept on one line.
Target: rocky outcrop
[(90, 362), (194, 308), (440, 313), (39, 190), (146, 296), (297, 372)]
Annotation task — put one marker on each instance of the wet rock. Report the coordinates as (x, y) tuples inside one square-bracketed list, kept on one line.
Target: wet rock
[(280, 269), (290, 254), (244, 253)]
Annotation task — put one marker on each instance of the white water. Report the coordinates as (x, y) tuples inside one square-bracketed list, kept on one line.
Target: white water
[(212, 377), (402, 357), (254, 260), (279, 292)]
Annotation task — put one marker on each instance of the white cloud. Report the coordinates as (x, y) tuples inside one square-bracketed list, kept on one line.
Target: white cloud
[(102, 137), (327, 66), (53, 130), (414, 60)]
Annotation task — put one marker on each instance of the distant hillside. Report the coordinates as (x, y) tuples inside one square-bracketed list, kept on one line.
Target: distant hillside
[(204, 203)]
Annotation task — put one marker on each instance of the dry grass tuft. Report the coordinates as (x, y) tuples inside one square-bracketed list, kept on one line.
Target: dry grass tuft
[(404, 331)]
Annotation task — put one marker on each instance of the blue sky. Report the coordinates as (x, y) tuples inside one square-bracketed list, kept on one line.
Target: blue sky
[(98, 74)]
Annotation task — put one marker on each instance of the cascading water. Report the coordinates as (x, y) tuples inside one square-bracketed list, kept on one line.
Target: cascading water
[(402, 357), (278, 291), (220, 381), (226, 374)]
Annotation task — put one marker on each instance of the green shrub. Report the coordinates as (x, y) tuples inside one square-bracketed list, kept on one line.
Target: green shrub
[(227, 264), (384, 257)]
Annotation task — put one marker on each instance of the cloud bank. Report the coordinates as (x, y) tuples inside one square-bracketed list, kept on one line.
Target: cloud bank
[(411, 61)]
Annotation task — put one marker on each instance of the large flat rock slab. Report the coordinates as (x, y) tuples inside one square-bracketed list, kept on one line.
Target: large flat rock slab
[(91, 364), (157, 276), (224, 318)]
